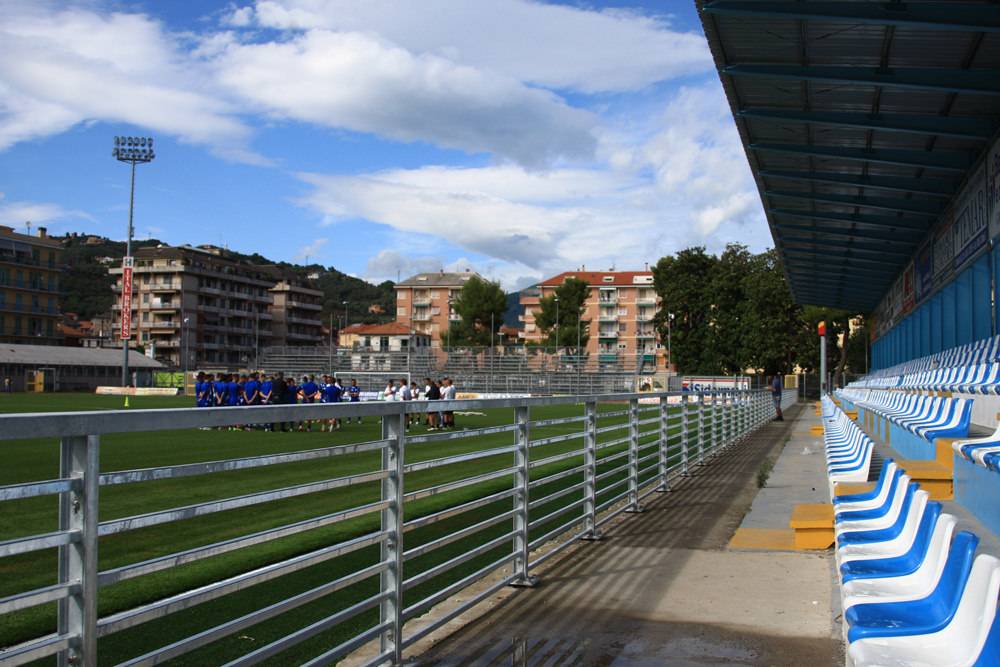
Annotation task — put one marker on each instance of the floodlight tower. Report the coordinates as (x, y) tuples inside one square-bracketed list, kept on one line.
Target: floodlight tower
[(132, 150)]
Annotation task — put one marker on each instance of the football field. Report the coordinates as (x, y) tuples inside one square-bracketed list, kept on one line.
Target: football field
[(38, 459)]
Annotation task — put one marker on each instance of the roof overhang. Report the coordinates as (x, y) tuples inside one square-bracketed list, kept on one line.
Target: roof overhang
[(860, 121)]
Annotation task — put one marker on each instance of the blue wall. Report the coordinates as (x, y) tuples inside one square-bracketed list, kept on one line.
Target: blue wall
[(960, 312)]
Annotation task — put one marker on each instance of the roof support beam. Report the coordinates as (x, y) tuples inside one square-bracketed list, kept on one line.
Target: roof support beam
[(916, 78), (939, 187), (948, 161), (849, 259), (863, 234), (911, 206), (883, 248), (875, 221), (948, 126), (811, 269), (938, 15)]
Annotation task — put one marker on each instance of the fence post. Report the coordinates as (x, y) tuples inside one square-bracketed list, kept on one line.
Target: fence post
[(79, 459), (522, 516), (664, 442), (633, 457), (391, 580), (700, 427), (590, 531), (685, 436)]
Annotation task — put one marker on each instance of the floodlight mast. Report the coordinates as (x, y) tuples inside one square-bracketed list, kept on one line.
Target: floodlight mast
[(131, 150)]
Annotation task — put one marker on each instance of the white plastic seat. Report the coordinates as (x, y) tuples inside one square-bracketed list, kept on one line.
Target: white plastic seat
[(897, 546), (958, 644), (884, 521), (911, 586)]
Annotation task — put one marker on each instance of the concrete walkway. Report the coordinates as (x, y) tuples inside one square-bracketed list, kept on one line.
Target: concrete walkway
[(662, 587)]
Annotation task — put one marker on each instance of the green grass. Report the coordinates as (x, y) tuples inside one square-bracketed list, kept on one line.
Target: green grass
[(38, 460)]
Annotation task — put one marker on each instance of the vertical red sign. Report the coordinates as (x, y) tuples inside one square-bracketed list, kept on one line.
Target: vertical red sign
[(126, 298)]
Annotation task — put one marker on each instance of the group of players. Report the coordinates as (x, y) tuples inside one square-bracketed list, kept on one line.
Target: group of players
[(230, 389), (434, 390)]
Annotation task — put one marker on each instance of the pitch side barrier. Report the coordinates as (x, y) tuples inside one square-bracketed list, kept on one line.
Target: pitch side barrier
[(393, 526)]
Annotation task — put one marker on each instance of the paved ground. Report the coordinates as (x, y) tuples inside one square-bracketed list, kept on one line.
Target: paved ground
[(662, 588)]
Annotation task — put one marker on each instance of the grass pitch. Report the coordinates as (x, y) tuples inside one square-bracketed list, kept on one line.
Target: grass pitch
[(34, 460)]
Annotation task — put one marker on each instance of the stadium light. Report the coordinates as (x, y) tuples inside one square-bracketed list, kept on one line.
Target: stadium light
[(131, 150)]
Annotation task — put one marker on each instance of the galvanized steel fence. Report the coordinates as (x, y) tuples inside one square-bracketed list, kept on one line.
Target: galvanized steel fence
[(436, 524)]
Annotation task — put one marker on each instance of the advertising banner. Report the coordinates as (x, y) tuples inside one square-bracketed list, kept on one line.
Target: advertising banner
[(971, 226), (908, 289), (944, 251), (923, 272), (993, 189), (126, 331)]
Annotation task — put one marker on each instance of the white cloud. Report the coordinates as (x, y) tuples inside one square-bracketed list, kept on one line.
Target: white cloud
[(550, 45), (311, 252), (391, 264), (17, 213), (70, 66), (680, 180), (361, 83)]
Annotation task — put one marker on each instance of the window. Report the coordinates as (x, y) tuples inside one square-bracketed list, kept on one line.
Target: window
[(608, 279), (622, 327), (145, 297), (400, 295), (401, 310), (383, 342), (622, 311)]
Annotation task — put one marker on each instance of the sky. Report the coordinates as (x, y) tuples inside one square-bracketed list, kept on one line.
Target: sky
[(384, 138)]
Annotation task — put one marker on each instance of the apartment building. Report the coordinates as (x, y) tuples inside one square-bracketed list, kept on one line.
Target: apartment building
[(197, 307), (424, 302), (29, 288), (620, 307), (295, 310)]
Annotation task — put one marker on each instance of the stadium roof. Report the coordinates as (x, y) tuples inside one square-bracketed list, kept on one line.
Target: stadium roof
[(52, 355), (860, 121)]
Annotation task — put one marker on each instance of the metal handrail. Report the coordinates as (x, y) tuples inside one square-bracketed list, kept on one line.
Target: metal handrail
[(647, 447)]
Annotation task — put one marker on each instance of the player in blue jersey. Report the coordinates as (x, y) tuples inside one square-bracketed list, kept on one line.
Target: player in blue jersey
[(354, 396), (221, 390), (308, 391), (332, 395)]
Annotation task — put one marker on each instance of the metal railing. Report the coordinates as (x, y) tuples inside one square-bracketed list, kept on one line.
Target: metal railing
[(418, 517)]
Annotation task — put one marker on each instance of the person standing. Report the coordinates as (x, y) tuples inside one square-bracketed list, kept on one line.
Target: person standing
[(776, 396), (278, 394), (354, 396), (332, 395), (433, 394), (448, 395), (6, 385), (405, 394), (308, 391)]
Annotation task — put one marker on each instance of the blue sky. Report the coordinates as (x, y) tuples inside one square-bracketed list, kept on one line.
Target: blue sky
[(381, 137)]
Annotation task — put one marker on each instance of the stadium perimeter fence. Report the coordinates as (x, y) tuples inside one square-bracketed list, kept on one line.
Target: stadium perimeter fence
[(413, 526)]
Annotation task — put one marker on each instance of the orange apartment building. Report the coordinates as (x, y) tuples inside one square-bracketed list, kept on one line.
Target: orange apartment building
[(621, 307), (423, 302)]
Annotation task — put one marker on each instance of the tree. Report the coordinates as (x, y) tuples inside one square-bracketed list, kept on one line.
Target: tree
[(571, 296), (685, 286), (480, 306), (772, 325)]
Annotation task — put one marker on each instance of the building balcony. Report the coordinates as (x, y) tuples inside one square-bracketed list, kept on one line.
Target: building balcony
[(645, 334), (610, 316), (607, 334), (421, 317), (29, 309), (305, 305)]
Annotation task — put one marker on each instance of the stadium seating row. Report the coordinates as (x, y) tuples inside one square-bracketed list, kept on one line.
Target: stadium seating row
[(913, 590), (986, 351), (981, 451)]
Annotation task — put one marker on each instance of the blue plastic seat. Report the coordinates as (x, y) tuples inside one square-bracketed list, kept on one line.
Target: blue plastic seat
[(882, 534), (889, 470), (897, 566), (923, 616)]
